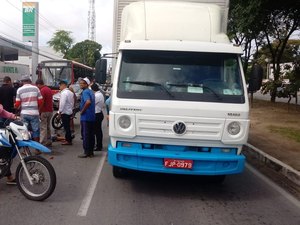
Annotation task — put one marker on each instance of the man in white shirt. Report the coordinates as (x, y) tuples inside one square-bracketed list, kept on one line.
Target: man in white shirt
[(99, 105), (66, 105)]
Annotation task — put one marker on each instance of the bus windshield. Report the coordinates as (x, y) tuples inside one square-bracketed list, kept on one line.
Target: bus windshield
[(53, 71), (52, 75), (183, 76)]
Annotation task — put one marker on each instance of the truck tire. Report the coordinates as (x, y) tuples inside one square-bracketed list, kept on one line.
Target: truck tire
[(119, 172), (218, 179)]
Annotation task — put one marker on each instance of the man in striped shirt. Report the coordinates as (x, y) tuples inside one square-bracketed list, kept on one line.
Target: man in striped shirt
[(29, 98)]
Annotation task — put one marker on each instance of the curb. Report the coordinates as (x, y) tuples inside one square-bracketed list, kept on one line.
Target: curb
[(273, 163)]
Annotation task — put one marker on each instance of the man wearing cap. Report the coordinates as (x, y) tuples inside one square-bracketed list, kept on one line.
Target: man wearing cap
[(66, 105), (29, 98), (87, 118)]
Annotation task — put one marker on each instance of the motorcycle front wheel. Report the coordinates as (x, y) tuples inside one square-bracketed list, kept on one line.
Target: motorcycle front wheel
[(43, 178), (56, 121)]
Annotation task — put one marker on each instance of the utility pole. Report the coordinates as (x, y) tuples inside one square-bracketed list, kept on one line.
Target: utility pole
[(92, 21), (31, 31)]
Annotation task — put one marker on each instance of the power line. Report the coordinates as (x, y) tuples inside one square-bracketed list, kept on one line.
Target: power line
[(9, 25), (12, 5), (40, 16), (22, 46), (13, 38), (45, 19)]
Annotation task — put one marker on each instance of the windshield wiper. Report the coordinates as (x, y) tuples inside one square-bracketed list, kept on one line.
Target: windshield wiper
[(53, 77), (149, 83), (197, 85)]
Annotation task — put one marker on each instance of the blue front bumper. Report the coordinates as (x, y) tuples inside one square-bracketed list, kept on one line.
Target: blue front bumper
[(136, 157)]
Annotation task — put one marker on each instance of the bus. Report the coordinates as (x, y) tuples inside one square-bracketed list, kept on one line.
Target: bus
[(53, 71)]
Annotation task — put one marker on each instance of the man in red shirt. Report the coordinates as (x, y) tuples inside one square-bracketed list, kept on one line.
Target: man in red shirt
[(46, 112)]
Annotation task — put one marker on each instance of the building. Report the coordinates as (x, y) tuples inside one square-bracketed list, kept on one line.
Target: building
[(16, 58)]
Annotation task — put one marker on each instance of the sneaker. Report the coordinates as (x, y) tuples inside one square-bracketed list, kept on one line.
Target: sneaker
[(11, 182), (82, 156), (98, 149)]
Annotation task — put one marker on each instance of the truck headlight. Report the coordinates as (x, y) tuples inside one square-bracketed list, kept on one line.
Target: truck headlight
[(124, 122), (234, 128)]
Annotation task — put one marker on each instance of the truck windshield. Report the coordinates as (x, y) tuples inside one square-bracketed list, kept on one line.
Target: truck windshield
[(183, 76)]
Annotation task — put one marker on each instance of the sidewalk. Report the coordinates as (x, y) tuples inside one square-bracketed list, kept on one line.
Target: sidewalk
[(251, 152)]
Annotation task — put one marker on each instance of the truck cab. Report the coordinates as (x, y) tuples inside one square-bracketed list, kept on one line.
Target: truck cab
[(179, 101)]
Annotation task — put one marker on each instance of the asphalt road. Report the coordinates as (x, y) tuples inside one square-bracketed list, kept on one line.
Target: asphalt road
[(87, 193)]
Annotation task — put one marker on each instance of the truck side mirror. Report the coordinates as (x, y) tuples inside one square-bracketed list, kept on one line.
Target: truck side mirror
[(100, 71), (256, 77)]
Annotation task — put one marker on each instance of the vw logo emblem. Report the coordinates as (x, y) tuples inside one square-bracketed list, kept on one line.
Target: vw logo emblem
[(179, 128)]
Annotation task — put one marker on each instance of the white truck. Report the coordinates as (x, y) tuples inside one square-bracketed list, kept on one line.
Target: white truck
[(179, 102)]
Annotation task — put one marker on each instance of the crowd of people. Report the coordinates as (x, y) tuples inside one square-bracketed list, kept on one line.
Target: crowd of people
[(34, 104)]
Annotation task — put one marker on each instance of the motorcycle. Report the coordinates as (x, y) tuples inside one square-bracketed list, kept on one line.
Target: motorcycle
[(35, 176), (56, 121)]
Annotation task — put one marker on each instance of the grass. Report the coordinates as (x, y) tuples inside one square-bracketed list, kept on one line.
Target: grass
[(277, 106), (291, 133)]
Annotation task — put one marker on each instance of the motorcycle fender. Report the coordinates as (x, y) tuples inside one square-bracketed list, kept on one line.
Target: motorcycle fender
[(33, 144)]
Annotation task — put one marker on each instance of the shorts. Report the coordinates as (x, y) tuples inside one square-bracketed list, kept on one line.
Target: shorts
[(33, 124)]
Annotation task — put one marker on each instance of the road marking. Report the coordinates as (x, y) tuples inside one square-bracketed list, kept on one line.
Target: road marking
[(85, 204), (284, 193)]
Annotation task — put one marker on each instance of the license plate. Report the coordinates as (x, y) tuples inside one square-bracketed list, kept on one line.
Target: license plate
[(178, 163)]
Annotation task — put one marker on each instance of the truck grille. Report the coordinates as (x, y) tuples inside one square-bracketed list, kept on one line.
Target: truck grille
[(196, 128)]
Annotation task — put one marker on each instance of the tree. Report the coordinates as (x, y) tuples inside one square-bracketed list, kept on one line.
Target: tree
[(292, 51), (61, 42), (242, 27), (86, 52), (279, 20), (294, 77), (290, 55), (267, 23)]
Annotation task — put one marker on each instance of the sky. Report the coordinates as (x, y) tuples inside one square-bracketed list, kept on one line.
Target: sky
[(69, 15)]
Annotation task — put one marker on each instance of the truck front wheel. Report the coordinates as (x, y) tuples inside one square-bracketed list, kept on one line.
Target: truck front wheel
[(119, 172), (218, 179)]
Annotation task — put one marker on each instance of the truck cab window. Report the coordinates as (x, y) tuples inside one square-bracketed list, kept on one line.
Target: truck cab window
[(186, 76)]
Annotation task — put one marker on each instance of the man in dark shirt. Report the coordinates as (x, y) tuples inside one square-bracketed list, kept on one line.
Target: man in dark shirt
[(7, 95)]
